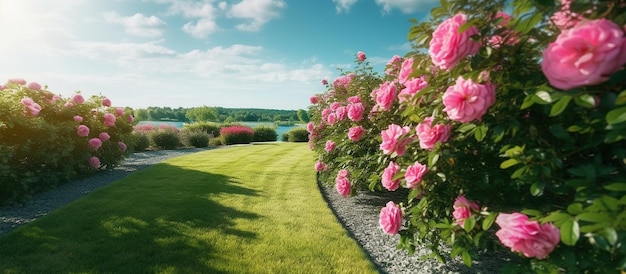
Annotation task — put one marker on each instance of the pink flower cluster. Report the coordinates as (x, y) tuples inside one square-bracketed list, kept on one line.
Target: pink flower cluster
[(30, 106), (448, 46), (342, 184), (412, 87), (466, 100), (390, 219), (320, 166), (584, 55), (355, 133), (414, 173), (528, 237), (394, 140), (385, 95), (387, 179), (429, 135), (330, 146), (463, 209)]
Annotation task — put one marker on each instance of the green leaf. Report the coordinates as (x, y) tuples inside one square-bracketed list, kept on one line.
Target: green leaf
[(467, 259), (528, 101), (559, 132), (610, 235), (508, 163), (560, 105), (609, 202), (531, 212), (557, 218), (575, 208), (585, 100), (621, 98), (594, 217), (519, 172), (432, 159), (488, 221), (543, 97), (465, 128), (480, 132), (594, 227), (570, 232), (469, 224), (536, 189), (616, 116), (616, 187), (442, 226)]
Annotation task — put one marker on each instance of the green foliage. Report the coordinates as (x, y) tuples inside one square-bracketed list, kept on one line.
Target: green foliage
[(285, 137), (556, 156), (141, 141), (212, 129), (297, 135), (39, 142), (215, 142), (303, 116), (165, 138), (194, 138), (201, 114), (264, 134)]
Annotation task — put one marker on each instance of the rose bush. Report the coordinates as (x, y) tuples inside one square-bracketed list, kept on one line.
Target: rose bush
[(46, 140), (515, 120)]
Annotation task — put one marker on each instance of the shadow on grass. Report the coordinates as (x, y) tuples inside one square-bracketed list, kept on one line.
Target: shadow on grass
[(161, 219)]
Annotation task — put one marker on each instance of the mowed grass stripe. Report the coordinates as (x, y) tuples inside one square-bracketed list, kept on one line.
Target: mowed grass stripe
[(248, 209)]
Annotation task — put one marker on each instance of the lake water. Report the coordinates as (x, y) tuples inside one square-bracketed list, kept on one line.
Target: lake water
[(279, 130)]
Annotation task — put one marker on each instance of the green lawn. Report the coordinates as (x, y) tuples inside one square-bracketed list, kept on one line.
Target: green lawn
[(252, 209)]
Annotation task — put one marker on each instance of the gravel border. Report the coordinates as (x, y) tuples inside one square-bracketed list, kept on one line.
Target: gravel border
[(358, 215)]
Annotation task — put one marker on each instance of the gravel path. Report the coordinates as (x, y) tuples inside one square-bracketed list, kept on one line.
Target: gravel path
[(358, 214)]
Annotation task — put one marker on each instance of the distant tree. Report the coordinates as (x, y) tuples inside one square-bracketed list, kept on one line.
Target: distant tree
[(302, 116), (141, 115), (202, 114)]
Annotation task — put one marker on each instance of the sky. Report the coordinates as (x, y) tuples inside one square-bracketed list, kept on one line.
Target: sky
[(187, 53)]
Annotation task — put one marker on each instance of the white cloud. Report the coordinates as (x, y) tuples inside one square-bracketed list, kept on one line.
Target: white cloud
[(258, 12), (344, 5), (203, 16), (201, 28), (138, 24), (406, 6)]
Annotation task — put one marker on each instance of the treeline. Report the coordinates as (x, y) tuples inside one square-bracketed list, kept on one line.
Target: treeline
[(219, 114)]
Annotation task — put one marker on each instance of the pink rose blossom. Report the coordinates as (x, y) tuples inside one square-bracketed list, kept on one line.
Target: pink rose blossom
[(34, 86), (18, 81), (355, 111), (342, 82), (463, 209), (330, 146), (406, 70), (343, 173), (387, 178), (414, 174), (95, 143), (334, 106), (324, 82), (390, 219), (27, 101), (392, 139), (33, 109), (109, 119), (354, 99), (528, 237), (69, 104), (119, 111), (342, 184), (393, 64), (342, 113), (467, 101), (122, 146), (78, 118), (314, 100), (310, 127), (78, 99), (106, 102), (332, 118), (104, 136), (82, 131), (448, 46), (385, 95), (325, 113), (585, 55), (355, 133), (412, 87), (361, 56), (94, 162), (430, 135), (319, 166), (131, 118), (2, 87)]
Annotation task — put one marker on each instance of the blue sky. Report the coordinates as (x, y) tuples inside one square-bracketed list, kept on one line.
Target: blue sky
[(187, 53)]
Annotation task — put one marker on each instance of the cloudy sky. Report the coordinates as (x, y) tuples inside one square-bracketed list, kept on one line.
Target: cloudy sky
[(186, 53)]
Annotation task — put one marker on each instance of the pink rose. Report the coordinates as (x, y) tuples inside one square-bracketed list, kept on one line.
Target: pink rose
[(330, 146), (2, 87), (332, 118), (429, 135), (95, 143), (342, 113), (119, 112), (390, 219), (342, 184), (463, 209), (361, 56), (131, 118), (104, 136), (82, 131), (33, 109), (334, 106), (356, 111), (106, 102), (18, 81), (78, 118), (343, 173), (325, 113), (319, 166), (355, 133), (109, 119), (406, 70), (528, 237), (354, 99), (448, 46), (314, 100), (78, 99), (94, 162), (122, 146), (411, 88), (393, 64), (69, 104), (27, 101), (385, 95), (342, 82), (387, 178), (414, 174), (310, 127), (392, 141), (467, 101), (34, 86), (585, 55)]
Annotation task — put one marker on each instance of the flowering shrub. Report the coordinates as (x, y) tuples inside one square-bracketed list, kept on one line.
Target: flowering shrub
[(236, 135), (165, 137), (514, 120), (46, 139)]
